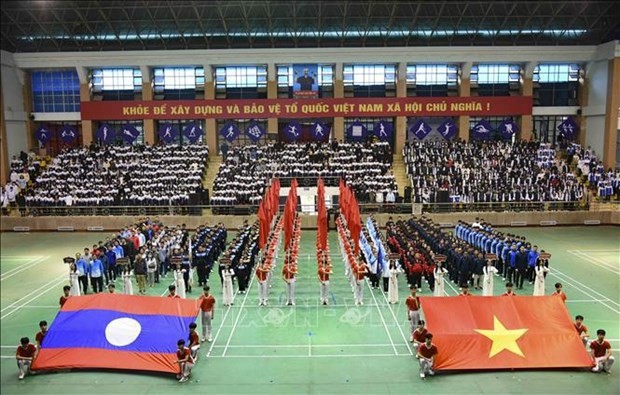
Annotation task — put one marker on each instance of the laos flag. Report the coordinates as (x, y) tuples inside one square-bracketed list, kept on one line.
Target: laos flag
[(115, 331)]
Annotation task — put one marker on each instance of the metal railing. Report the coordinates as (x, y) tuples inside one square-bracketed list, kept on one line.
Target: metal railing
[(500, 207)]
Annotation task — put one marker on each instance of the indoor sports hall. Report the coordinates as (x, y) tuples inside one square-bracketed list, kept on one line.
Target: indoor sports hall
[(380, 196)]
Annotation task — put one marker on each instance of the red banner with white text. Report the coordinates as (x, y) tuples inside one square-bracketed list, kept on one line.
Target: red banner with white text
[(307, 108)]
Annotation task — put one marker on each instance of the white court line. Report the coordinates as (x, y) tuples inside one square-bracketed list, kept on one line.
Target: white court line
[(232, 331), (575, 285), (313, 356), (616, 251), (22, 268), (594, 261), (396, 322), (586, 301), (580, 284), (38, 294), (382, 319), (302, 345), (29, 261)]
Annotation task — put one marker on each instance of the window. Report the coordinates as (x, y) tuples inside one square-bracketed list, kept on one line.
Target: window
[(556, 84), (369, 80), (116, 84), (179, 126), (432, 80), (55, 91), (117, 126), (545, 127), (495, 79), (178, 83), (241, 82)]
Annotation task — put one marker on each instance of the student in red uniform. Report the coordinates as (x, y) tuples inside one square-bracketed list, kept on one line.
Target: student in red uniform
[(207, 309), (66, 294), (426, 355), (25, 354), (419, 335), (172, 292), (185, 361), (465, 290), (41, 335), (559, 292), (413, 310), (193, 341), (359, 271), (262, 274), (600, 349), (509, 290), (582, 330), (325, 269)]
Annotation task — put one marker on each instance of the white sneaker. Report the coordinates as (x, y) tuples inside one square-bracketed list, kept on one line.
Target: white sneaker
[(422, 376), (431, 372), (202, 340), (21, 375), (183, 379), (209, 340)]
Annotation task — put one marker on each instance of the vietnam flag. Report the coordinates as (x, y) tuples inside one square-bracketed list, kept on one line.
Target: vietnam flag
[(115, 331), (500, 332)]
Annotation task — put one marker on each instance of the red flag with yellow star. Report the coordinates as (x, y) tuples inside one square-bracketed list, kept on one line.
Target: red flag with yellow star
[(498, 332)]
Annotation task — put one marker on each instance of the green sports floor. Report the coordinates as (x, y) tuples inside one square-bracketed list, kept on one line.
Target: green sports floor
[(310, 348)]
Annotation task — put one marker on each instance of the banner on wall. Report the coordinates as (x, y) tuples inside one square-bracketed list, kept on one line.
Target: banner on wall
[(106, 134), (193, 132), (255, 131), (569, 128), (482, 130), (129, 133), (448, 129), (230, 132), (293, 130), (68, 134), (43, 134), (508, 128), (421, 129), (305, 81), (167, 133), (357, 131), (383, 107), (384, 130)]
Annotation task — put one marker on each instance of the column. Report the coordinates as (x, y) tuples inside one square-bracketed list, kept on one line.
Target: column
[(147, 95), (4, 153), (30, 124), (272, 93), (611, 114), (338, 129), (210, 123), (582, 99), (527, 89), (87, 126), (400, 129), (464, 91)]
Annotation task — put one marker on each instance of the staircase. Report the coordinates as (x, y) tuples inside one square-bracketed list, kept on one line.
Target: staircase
[(213, 166), (400, 173)]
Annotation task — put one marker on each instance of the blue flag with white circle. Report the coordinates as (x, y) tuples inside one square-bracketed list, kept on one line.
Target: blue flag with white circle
[(68, 133), (129, 133), (43, 134), (448, 129), (421, 129), (357, 131), (508, 128), (255, 131), (320, 131), (482, 130), (193, 132), (569, 128), (230, 132), (167, 133), (384, 130), (292, 132), (105, 134)]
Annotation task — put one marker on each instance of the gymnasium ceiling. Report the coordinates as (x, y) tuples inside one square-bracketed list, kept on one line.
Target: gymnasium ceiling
[(53, 26)]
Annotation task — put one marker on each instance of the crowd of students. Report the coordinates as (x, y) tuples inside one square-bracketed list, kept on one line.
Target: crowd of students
[(246, 170), (483, 172), (142, 175)]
